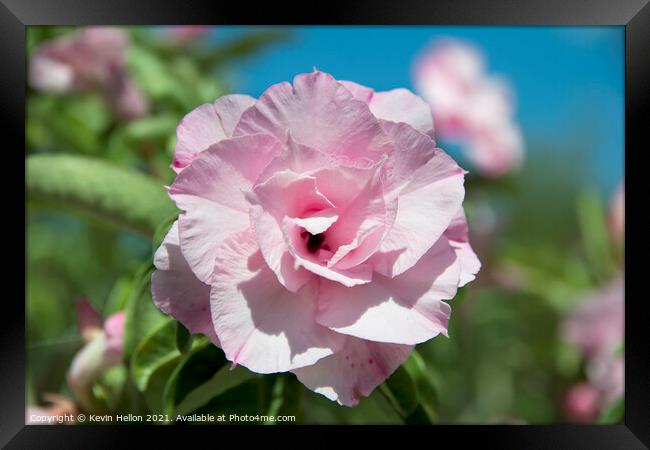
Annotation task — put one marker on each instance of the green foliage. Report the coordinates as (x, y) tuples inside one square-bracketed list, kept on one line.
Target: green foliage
[(94, 187), (613, 414), (154, 351), (223, 380)]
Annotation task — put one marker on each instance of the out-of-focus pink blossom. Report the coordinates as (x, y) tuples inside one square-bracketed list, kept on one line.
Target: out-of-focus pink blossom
[(321, 231), (596, 326), (607, 373), (91, 60), (469, 106), (617, 214), (103, 350), (581, 403)]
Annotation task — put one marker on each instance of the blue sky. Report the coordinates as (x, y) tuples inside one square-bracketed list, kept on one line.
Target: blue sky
[(569, 81)]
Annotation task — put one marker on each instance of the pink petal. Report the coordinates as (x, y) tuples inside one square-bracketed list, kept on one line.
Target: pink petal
[(318, 112), (177, 291), (284, 195), (496, 150), (616, 216), (358, 91), (428, 198), (457, 234), (297, 158), (406, 309), (262, 326), (114, 325), (396, 105), (361, 225), (212, 193), (281, 199), (318, 222), (355, 370), (207, 125), (402, 105), (88, 319), (360, 274)]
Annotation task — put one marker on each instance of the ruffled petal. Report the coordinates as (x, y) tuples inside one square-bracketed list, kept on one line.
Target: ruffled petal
[(406, 309), (261, 325), (354, 371), (177, 291), (212, 193), (207, 125), (457, 233), (428, 193), (318, 112)]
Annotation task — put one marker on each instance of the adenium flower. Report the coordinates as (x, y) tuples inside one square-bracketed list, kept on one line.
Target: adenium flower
[(597, 323), (581, 402), (596, 327), (321, 231), (92, 60), (103, 350), (470, 107), (617, 214)]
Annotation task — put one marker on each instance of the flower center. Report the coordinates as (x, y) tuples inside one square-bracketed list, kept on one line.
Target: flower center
[(314, 241)]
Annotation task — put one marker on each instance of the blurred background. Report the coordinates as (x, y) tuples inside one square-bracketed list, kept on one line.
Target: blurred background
[(537, 338)]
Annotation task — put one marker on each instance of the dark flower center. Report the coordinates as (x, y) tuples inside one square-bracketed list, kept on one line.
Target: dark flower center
[(314, 241)]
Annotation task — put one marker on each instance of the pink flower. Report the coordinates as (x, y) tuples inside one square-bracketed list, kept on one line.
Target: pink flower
[(596, 326), (470, 107), (103, 349), (92, 60), (617, 214), (581, 403), (321, 231)]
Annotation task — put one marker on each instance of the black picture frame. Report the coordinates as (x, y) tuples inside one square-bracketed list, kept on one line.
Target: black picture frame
[(634, 15)]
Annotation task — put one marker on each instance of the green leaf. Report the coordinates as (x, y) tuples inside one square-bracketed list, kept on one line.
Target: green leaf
[(141, 313), (614, 414), (595, 236), (411, 391), (183, 338), (400, 391), (425, 384), (225, 379), (91, 186), (156, 349), (162, 230)]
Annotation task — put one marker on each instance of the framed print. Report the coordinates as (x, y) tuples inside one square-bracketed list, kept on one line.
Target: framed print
[(408, 217)]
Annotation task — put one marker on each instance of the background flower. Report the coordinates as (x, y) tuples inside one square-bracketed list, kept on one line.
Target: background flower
[(92, 60), (469, 106)]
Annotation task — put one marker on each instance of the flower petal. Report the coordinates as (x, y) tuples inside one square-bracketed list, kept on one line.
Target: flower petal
[(457, 234), (318, 112), (262, 326), (212, 193), (406, 309), (284, 195), (355, 370), (176, 290), (89, 321), (207, 125), (402, 105), (429, 196)]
